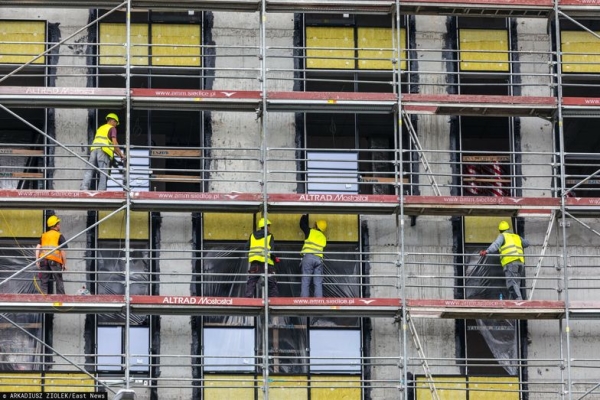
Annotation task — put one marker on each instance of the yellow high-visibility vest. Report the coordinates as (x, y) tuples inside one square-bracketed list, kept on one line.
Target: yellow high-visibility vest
[(315, 243), (257, 249), (512, 249), (101, 140)]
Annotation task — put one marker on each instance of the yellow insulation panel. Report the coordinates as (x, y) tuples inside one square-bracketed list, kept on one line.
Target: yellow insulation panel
[(20, 383), (447, 387), (330, 47), (21, 41), (335, 388), (68, 382), (21, 223), (494, 388), (286, 388), (112, 44), (580, 52), (227, 387), (483, 229), (176, 45), (114, 227), (375, 48), (484, 50), (228, 226), (340, 227)]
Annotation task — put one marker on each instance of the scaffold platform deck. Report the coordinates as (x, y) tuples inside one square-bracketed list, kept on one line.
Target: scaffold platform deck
[(282, 306)]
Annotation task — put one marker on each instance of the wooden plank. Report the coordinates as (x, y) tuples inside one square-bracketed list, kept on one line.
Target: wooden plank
[(20, 152), (176, 178), (485, 158), (486, 180), (168, 153), (381, 179), (22, 175), (6, 325)]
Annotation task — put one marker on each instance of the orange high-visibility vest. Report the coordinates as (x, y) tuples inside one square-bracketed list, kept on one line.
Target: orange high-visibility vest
[(49, 243)]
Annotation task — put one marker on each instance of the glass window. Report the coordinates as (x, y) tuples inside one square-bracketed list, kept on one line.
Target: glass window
[(110, 344), (111, 347), (229, 350), (335, 350)]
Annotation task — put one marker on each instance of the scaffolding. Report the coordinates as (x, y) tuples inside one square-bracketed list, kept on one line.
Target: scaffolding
[(247, 97)]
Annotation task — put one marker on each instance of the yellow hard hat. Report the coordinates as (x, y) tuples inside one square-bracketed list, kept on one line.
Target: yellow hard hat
[(261, 223), (113, 116), (52, 220), (322, 225), (503, 226)]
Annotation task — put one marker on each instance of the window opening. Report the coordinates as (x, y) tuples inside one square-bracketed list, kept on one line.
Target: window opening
[(19, 351)]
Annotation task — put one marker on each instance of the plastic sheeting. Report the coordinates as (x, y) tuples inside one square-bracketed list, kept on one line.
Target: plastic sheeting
[(224, 274), (484, 279), (110, 267), (18, 350)]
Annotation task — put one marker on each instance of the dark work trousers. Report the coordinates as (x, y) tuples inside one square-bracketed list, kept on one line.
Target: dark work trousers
[(257, 269), (513, 273), (50, 268), (312, 269)]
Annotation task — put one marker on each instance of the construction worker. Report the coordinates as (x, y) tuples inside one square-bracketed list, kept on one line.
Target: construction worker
[(102, 152), (312, 256), (259, 246), (54, 261), (510, 247)]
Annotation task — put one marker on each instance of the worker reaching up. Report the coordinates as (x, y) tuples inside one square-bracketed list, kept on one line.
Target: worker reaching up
[(258, 247), (312, 256), (510, 247), (102, 152)]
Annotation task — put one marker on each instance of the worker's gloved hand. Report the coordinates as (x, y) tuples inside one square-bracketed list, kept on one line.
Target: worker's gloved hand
[(277, 260), (483, 253)]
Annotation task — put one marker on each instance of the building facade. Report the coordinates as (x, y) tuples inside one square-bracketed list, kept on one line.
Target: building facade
[(413, 129)]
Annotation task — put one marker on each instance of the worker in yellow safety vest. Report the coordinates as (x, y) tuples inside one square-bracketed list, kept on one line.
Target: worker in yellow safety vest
[(260, 249), (102, 152), (510, 248), (53, 260), (312, 256)]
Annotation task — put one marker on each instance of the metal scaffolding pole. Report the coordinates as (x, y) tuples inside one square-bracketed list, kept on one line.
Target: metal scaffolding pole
[(563, 197)]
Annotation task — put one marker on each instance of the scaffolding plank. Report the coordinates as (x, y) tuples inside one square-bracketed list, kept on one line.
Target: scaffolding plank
[(293, 203), (525, 106), (514, 8), (332, 102), (179, 5), (583, 206), (478, 205), (486, 309), (196, 305), (61, 199), (66, 304), (333, 203), (357, 307), (581, 106), (196, 201), (187, 99), (62, 97), (251, 101)]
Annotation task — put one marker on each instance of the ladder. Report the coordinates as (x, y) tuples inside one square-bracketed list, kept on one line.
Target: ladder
[(538, 266), (417, 145), (424, 364)]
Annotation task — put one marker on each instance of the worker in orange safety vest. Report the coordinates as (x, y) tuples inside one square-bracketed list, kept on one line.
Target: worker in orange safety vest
[(54, 260)]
